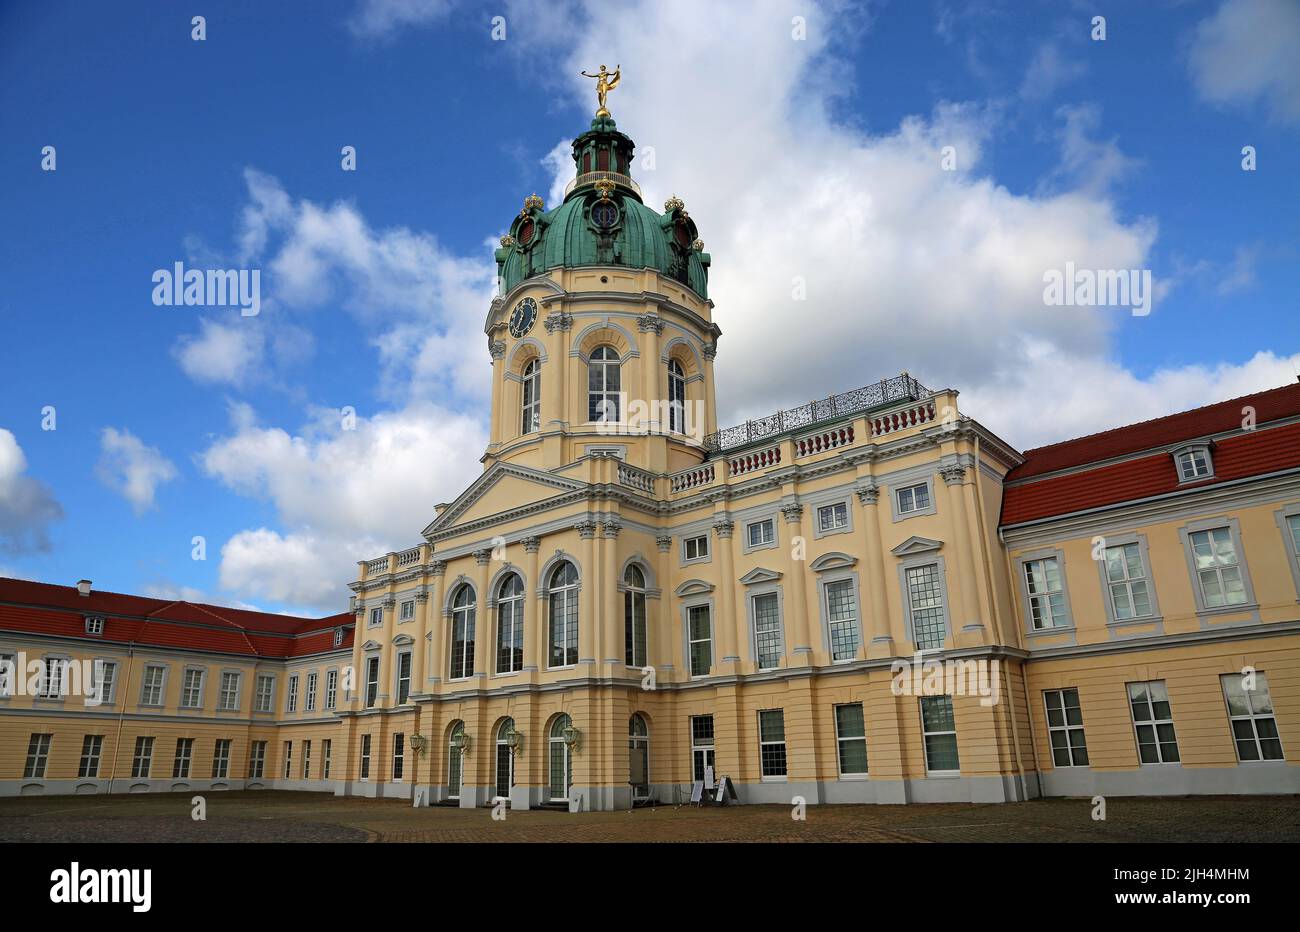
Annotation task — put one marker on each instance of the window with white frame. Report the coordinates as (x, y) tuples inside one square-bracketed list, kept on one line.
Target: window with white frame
[(372, 681), (842, 619), (152, 685), (399, 756), (603, 383), (1153, 720), (1126, 580), (94, 625), (221, 759), (462, 633), (676, 397), (228, 698), (265, 699), (256, 760), (913, 498), (1046, 593), (92, 746), (510, 625), (563, 597), (376, 616), (761, 533), (699, 633), (695, 548), (634, 623), (407, 610), (939, 730), (701, 745), (327, 747), (1218, 573), (1293, 524), (365, 757), (338, 637), (925, 606), (531, 398), (184, 755), (8, 675), (771, 743), (1250, 715), (306, 760), (192, 689), (833, 517), (767, 630), (331, 688), (291, 702), (38, 756), (309, 696), (53, 678), (851, 738), (1065, 728), (288, 759), (403, 677), (142, 759), (1194, 464)]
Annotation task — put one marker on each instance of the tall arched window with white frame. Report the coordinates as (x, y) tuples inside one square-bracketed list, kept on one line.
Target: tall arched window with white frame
[(604, 379), (676, 397), (560, 755), (634, 617), (462, 633), (563, 588), (510, 625), (531, 398)]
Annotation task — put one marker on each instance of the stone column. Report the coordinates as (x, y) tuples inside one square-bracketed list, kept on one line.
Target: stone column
[(651, 374), (799, 626), (612, 651), (534, 608), (483, 622), (437, 635), (881, 642), (555, 392), (498, 351), (723, 527), (664, 647), (588, 604), (969, 622)]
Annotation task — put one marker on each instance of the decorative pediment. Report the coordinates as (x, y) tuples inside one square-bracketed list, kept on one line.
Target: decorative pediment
[(915, 545), (403, 640), (694, 587), (759, 575), (372, 645), (835, 560), (534, 484)]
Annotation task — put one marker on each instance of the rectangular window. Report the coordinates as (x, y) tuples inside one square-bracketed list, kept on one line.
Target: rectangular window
[(700, 633), (310, 697), (925, 603), (105, 679), (228, 700), (8, 676), (265, 694), (771, 742), (184, 754), (376, 616), (851, 736), (913, 498), (365, 757), (306, 760), (939, 728), (1293, 522), (1250, 713), (151, 691), (221, 759), (372, 682), (408, 610), (94, 625), (761, 533), (842, 619), (1065, 728), (142, 761), (256, 760), (192, 689), (288, 759), (292, 703), (1153, 720), (1217, 572), (38, 755), (331, 688), (399, 755), (767, 631), (1193, 464), (701, 745), (1126, 579), (326, 747), (92, 746), (1046, 594), (696, 548), (53, 679), (833, 517), (403, 677)]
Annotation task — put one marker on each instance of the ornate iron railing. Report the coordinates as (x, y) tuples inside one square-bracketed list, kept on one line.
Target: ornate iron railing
[(592, 177), (886, 391)]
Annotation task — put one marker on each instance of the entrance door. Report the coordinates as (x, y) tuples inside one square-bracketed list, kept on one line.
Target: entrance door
[(638, 741), (505, 770), (561, 761)]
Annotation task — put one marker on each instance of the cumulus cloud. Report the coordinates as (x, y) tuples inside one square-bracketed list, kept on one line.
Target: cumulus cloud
[(380, 18), (132, 469), (1049, 70), (1245, 52), (27, 506), (222, 353)]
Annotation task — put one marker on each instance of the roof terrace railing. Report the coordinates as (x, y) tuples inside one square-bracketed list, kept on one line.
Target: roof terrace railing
[(624, 181)]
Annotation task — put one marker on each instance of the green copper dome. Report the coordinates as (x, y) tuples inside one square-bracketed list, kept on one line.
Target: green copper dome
[(603, 222)]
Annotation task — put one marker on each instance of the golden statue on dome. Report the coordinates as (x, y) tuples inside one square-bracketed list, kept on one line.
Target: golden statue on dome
[(605, 82)]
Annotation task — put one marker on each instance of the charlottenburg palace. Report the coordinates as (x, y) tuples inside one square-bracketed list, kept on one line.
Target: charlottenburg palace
[(869, 598)]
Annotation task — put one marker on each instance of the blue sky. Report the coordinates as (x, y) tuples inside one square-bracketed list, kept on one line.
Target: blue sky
[(814, 157)]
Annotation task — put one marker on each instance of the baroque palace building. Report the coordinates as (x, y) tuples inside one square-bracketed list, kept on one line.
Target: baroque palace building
[(629, 600)]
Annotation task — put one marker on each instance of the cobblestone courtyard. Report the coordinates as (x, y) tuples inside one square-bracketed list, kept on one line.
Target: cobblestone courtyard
[(270, 816)]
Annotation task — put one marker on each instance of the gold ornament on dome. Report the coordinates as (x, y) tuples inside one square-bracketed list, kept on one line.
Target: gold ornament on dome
[(507, 241), (533, 202), (698, 245), (605, 82), (673, 203), (604, 187)]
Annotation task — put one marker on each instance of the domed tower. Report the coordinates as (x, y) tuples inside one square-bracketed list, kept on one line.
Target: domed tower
[(602, 335)]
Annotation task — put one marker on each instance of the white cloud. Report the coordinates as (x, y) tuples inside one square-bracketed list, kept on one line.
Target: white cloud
[(1049, 70), (1246, 52), (179, 593), (27, 506), (222, 353), (299, 568), (132, 469), (1088, 165), (379, 18)]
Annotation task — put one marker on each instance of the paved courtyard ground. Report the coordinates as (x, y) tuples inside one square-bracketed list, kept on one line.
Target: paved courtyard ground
[(270, 816)]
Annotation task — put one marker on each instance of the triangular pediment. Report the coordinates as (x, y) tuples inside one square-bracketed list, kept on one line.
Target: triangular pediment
[(759, 575), (915, 544), (503, 487)]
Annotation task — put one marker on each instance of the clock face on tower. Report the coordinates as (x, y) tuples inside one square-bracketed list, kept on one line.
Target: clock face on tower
[(521, 320)]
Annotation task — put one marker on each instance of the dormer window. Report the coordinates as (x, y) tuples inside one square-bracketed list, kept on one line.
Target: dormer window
[(1194, 463), (338, 636), (94, 625)]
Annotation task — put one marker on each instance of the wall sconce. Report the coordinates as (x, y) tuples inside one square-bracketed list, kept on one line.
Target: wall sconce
[(460, 742), (419, 743), (514, 739), (571, 737)]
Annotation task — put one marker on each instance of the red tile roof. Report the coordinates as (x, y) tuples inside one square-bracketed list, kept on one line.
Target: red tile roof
[(41, 608), (1032, 493)]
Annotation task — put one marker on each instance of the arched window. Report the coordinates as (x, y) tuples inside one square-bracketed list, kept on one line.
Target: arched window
[(561, 759), (676, 397), (634, 616), (603, 381), (638, 743), (510, 625), (531, 418), (462, 633), (454, 762), (505, 777), (564, 616)]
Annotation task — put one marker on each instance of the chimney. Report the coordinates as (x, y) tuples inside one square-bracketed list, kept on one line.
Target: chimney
[(83, 587)]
